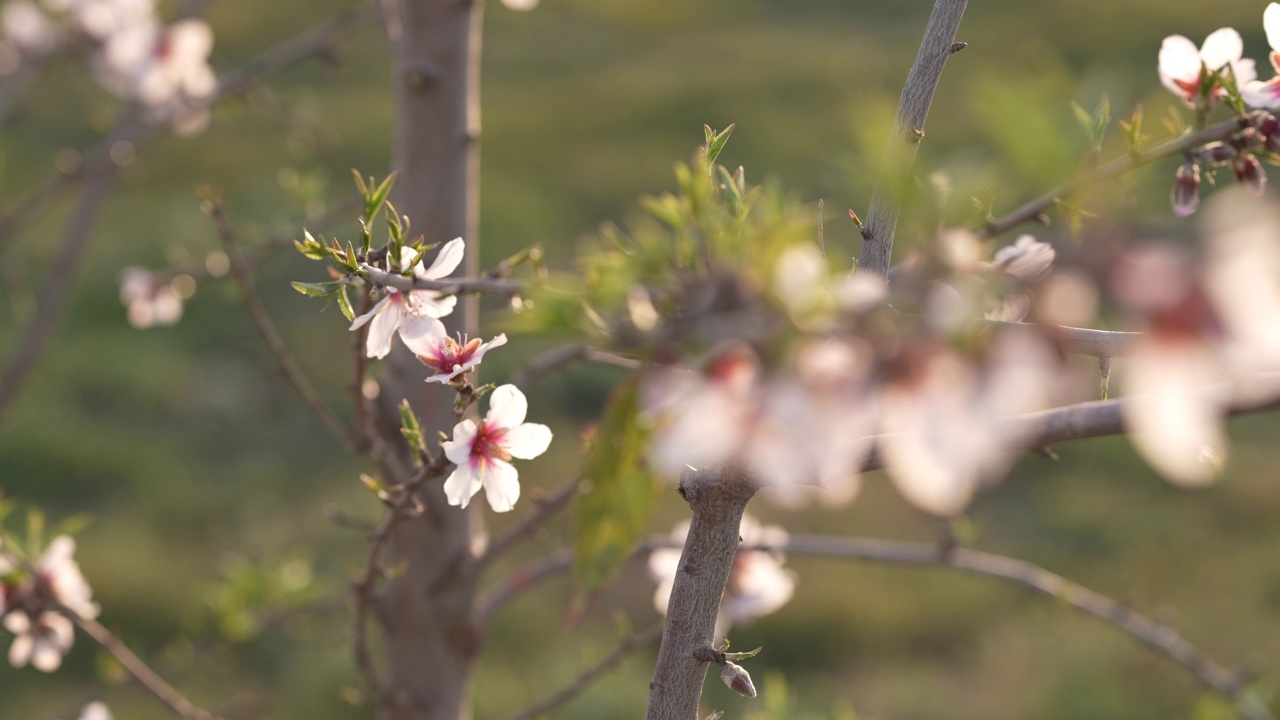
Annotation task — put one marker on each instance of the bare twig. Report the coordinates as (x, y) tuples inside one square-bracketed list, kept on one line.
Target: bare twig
[(361, 431), (524, 579), (457, 286), (556, 358), (1155, 635), (1035, 210), (140, 671), (1102, 344), (546, 508), (908, 131), (54, 296), (272, 60), (288, 366), (628, 646)]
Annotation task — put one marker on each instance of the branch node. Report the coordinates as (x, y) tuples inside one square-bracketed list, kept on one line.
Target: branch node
[(958, 46)]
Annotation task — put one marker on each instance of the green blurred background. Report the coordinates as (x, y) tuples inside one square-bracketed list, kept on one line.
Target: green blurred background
[(208, 480)]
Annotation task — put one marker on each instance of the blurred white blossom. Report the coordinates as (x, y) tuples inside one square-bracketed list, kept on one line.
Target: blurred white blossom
[(33, 608), (1261, 94), (166, 69), (1181, 64), (149, 298)]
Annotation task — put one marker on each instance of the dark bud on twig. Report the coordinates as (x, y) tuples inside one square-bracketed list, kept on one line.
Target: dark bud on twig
[(1250, 174), (957, 47), (1185, 197), (738, 679)]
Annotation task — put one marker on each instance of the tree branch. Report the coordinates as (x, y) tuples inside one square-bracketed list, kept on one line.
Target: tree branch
[(557, 358), (908, 130), (56, 291), (546, 508), (643, 639), (718, 499), (1102, 344), (285, 361), (1034, 210), (140, 671), (456, 286)]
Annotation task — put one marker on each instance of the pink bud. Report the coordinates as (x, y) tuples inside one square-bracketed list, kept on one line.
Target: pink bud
[(1250, 174), (1186, 190), (738, 679), (1217, 152), (1268, 126)]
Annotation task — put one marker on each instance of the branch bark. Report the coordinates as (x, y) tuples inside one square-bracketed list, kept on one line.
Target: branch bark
[(908, 130), (718, 499)]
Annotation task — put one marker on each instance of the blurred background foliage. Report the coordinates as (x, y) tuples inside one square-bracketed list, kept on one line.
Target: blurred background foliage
[(210, 483)]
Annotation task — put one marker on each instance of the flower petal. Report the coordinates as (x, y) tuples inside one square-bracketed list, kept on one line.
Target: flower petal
[(507, 407), (1260, 94), (422, 334), (1221, 47), (20, 650), (1179, 61), (383, 328), (527, 441), (1271, 22), (501, 485), (447, 260), (360, 321), (458, 450), (462, 485)]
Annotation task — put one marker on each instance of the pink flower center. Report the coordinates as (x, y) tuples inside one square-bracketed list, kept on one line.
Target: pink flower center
[(450, 354), (488, 446)]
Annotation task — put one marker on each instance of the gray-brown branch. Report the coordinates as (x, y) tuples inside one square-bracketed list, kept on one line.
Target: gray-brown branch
[(908, 130)]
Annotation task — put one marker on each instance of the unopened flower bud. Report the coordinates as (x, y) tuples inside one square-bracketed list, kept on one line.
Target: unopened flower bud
[(1217, 152), (1186, 190), (738, 679), (1250, 174), (1268, 126)]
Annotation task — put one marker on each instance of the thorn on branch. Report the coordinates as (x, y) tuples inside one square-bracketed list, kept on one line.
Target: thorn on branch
[(957, 47)]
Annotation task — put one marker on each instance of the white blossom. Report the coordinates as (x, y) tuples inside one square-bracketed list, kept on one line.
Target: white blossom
[(448, 357), (1261, 94), (414, 314), (1181, 64), (482, 451), (149, 298)]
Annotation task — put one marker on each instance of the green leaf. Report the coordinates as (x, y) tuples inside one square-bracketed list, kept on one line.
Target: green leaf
[(315, 289), (374, 199), (715, 143), (618, 493), (410, 428), (344, 304), (360, 184), (743, 655)]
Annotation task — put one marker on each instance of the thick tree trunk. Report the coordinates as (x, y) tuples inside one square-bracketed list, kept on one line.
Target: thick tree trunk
[(431, 634)]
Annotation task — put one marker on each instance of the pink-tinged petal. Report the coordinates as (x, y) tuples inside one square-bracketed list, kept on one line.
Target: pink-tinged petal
[(190, 39), (447, 260), (17, 623), (501, 485), (20, 650), (360, 322), (458, 450), (1246, 71), (462, 485), (507, 407), (527, 441), (1179, 62), (1260, 94), (1221, 47), (1173, 420), (96, 710), (383, 328), (421, 334), (1271, 23), (759, 585)]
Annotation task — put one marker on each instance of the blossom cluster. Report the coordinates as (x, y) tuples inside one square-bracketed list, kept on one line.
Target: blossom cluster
[(481, 451), (34, 602), (162, 68), (1214, 73)]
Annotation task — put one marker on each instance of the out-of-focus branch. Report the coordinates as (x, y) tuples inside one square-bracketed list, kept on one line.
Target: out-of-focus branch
[(1155, 635), (288, 366), (718, 499), (908, 130), (272, 60), (1035, 210), (140, 671), (628, 646), (54, 296), (457, 286), (524, 579), (1102, 344), (556, 358), (547, 507)]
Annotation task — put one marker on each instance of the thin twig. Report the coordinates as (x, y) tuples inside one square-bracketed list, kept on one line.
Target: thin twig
[(908, 130), (1103, 344), (556, 358), (54, 296), (523, 580), (1158, 636), (546, 508), (288, 366), (1034, 210), (457, 286), (140, 671), (97, 161), (643, 639), (360, 430)]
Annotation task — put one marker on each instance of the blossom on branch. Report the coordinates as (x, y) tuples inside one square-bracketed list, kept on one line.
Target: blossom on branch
[(1261, 94), (33, 609), (414, 314), (482, 451), (149, 298), (1183, 68), (100, 19), (164, 68), (448, 357)]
